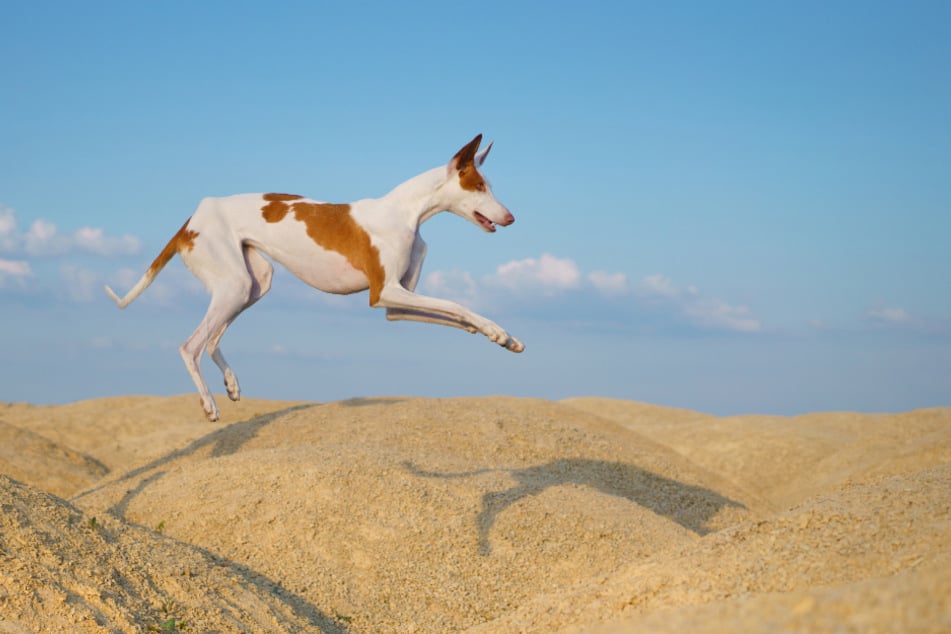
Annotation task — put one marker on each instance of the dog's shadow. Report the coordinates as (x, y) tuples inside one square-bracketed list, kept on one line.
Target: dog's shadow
[(224, 441), (688, 505)]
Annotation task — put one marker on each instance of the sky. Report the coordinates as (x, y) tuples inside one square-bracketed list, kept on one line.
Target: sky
[(734, 207)]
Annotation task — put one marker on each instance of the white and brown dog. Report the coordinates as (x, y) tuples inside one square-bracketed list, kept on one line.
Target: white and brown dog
[(337, 248)]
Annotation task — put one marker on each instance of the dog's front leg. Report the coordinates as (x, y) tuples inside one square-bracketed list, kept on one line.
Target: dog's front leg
[(398, 314), (424, 308), (409, 282)]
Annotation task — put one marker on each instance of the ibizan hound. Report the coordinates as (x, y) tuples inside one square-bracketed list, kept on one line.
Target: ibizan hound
[(337, 248)]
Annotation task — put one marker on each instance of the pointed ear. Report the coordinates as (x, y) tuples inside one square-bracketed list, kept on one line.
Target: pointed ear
[(465, 156), (480, 157)]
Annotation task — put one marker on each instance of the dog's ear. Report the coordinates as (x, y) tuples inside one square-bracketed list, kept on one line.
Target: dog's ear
[(480, 157), (465, 156)]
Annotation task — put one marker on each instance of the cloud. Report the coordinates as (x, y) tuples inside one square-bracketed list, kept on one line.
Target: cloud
[(547, 276), (456, 285), (608, 283), (556, 282), (716, 313), (659, 287), (898, 319), (95, 241), (14, 273), (44, 239), (547, 273), (690, 304), (886, 315), (8, 226), (47, 257)]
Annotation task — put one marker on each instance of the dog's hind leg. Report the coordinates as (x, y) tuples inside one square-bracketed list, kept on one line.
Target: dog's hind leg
[(225, 304), (222, 268), (261, 272)]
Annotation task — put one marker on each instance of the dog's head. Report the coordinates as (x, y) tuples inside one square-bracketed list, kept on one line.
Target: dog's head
[(468, 192)]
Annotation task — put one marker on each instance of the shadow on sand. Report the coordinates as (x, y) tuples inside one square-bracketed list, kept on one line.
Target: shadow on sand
[(224, 442), (689, 505)]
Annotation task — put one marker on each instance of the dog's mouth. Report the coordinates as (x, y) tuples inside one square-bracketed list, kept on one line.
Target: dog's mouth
[(484, 222)]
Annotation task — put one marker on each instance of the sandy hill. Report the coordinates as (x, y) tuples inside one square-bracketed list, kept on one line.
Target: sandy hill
[(473, 515)]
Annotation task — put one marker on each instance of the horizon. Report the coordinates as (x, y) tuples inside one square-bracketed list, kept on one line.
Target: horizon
[(734, 209)]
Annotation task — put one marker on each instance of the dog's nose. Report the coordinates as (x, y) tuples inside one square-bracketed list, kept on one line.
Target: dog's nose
[(509, 219)]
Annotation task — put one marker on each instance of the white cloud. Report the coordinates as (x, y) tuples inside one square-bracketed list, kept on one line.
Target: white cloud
[(14, 273), (455, 285), (716, 313), (608, 283), (888, 315), (660, 287), (546, 276), (530, 279), (548, 273), (44, 239), (706, 312), (93, 240), (8, 226), (899, 319)]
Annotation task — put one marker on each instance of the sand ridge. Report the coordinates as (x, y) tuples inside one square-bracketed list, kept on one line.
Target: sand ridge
[(492, 514)]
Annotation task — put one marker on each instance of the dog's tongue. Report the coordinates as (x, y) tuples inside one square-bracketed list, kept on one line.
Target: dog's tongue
[(485, 222)]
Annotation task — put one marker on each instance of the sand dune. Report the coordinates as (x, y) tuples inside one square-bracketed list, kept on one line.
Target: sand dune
[(470, 515)]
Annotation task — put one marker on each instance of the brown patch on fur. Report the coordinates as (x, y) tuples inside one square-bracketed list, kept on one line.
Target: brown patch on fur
[(184, 240), (333, 228), (471, 180), (276, 208)]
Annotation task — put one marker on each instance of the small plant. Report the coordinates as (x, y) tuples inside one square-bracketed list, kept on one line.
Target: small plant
[(169, 623), (160, 527), (94, 524)]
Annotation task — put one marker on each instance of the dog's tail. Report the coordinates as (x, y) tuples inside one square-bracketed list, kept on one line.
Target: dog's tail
[(183, 239)]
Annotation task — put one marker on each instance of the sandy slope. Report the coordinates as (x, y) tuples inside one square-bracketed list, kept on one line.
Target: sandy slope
[(482, 515)]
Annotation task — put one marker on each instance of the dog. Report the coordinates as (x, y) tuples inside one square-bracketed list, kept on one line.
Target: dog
[(370, 244)]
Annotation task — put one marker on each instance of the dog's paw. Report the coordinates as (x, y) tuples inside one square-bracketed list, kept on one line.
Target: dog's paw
[(231, 384), (514, 345), (210, 408)]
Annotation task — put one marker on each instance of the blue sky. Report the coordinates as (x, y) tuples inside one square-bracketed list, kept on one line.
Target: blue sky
[(734, 206)]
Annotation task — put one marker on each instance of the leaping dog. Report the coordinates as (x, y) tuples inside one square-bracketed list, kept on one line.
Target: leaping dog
[(337, 248)]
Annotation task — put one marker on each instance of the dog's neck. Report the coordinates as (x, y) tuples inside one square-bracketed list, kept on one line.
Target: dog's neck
[(419, 198)]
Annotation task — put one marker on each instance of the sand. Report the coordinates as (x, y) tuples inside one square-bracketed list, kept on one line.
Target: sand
[(477, 515)]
